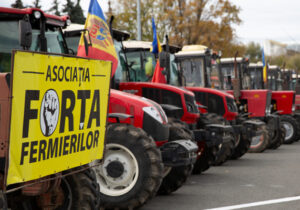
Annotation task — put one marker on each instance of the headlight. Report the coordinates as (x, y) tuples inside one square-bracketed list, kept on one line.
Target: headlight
[(293, 108), (153, 113), (268, 110), (37, 14)]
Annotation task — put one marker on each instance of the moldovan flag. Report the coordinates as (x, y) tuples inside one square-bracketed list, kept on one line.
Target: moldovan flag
[(158, 76), (102, 43), (264, 66)]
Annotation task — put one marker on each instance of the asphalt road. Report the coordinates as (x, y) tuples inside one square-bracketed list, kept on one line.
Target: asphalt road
[(274, 174)]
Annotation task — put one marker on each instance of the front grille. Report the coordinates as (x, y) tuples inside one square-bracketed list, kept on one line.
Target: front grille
[(161, 96)]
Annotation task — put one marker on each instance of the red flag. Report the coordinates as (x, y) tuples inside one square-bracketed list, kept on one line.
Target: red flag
[(158, 76)]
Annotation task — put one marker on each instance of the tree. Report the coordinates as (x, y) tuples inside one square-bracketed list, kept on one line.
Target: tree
[(286, 61), (126, 14), (68, 7), (75, 12), (36, 4), (17, 4), (207, 22), (55, 8), (253, 52)]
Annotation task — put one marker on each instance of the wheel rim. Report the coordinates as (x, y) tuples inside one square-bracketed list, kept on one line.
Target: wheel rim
[(237, 140), (256, 141), (120, 183), (289, 130)]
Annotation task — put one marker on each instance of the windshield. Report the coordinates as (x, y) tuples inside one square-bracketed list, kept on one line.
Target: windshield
[(227, 76), (73, 42), (9, 36), (141, 65), (192, 71), (256, 80), (120, 74), (174, 73), (275, 79)]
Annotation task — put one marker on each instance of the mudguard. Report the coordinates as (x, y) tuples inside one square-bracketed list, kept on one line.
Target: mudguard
[(179, 153), (214, 134)]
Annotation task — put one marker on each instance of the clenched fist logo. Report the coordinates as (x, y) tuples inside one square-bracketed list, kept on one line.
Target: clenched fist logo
[(49, 112)]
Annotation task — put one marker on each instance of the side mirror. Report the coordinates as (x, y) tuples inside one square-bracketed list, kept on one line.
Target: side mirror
[(164, 59), (25, 34)]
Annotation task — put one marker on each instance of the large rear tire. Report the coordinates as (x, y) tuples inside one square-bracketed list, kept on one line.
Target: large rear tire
[(177, 176), (242, 146), (260, 143), (81, 191), (132, 169), (291, 127), (243, 143)]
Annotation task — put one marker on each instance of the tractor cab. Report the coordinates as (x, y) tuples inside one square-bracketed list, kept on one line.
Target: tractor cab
[(196, 66), (194, 62), (275, 78), (282, 101), (43, 33)]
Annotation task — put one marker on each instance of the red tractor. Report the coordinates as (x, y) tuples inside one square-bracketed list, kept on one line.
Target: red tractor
[(76, 188), (282, 101), (235, 78), (137, 65), (195, 66), (145, 153), (291, 81)]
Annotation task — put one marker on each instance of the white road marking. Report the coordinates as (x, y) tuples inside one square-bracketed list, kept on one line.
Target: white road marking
[(260, 203)]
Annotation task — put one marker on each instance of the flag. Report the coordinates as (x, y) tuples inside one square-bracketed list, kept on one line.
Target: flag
[(158, 75), (156, 47), (102, 43), (264, 66)]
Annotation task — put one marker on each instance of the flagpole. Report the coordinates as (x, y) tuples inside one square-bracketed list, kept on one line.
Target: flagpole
[(139, 31)]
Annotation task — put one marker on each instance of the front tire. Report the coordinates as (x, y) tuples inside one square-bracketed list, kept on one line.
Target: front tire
[(291, 127), (132, 169), (177, 175), (260, 143)]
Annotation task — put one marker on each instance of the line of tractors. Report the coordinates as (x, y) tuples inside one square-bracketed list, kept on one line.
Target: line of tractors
[(209, 110)]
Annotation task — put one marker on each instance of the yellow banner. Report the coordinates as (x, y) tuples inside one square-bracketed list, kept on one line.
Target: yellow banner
[(58, 116)]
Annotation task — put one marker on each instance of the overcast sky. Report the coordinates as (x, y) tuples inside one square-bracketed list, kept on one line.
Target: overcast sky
[(269, 19), (262, 19)]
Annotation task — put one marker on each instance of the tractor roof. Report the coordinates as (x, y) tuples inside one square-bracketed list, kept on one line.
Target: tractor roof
[(17, 14), (75, 29), (231, 60), (133, 44), (145, 45), (274, 67), (192, 51), (256, 65)]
